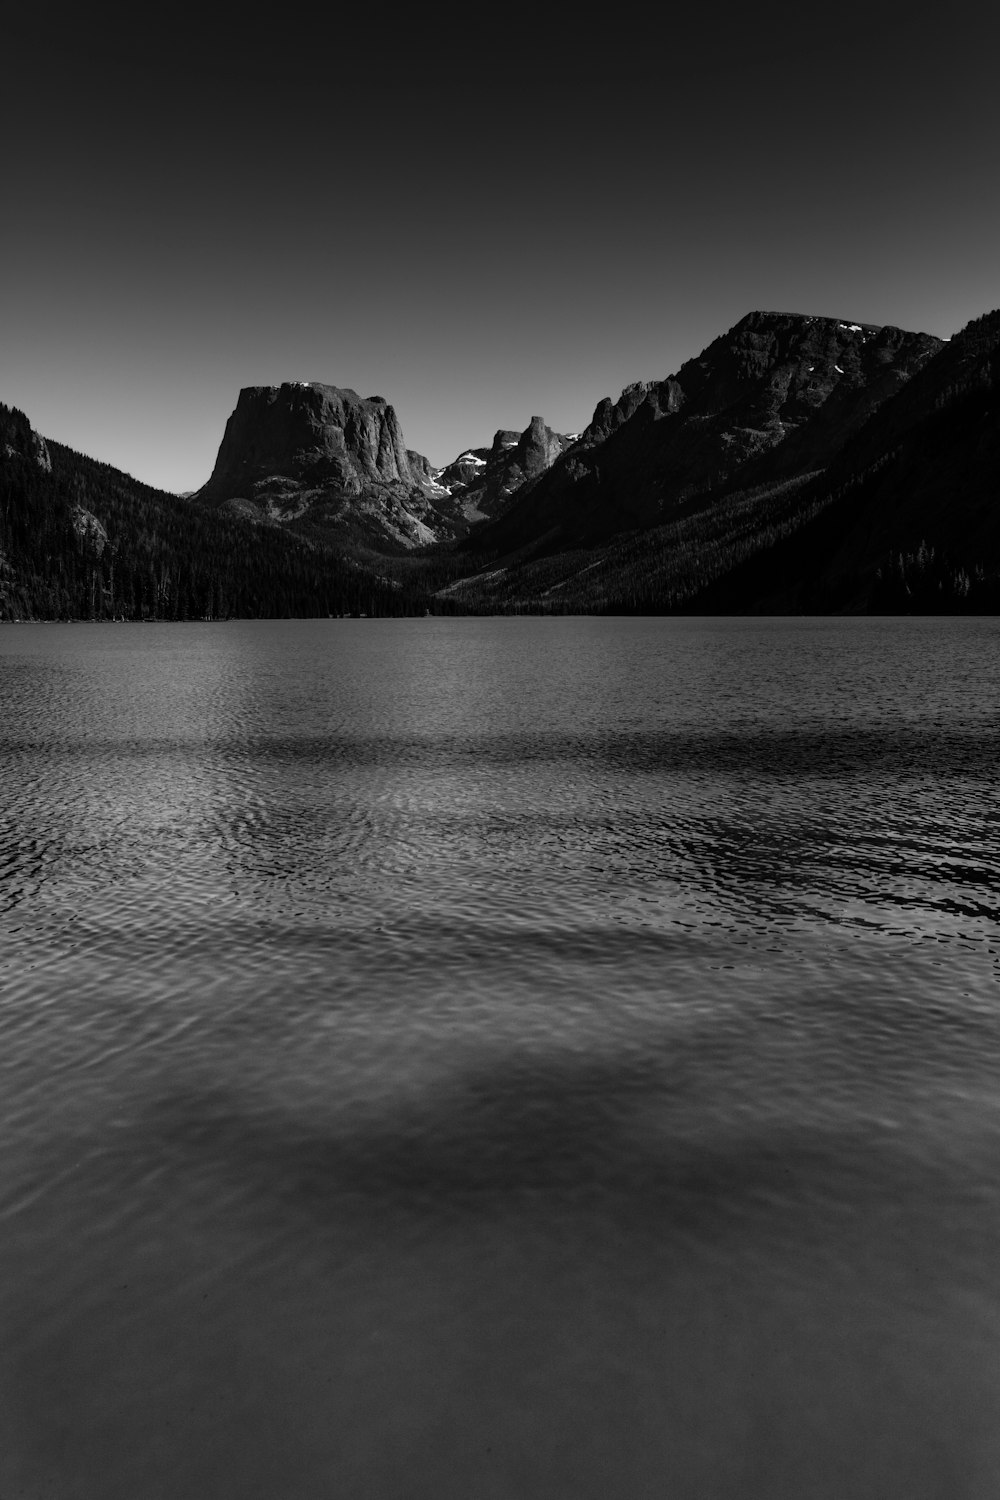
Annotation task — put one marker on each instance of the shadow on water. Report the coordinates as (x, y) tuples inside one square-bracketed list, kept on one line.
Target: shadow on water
[(500, 1061), (559, 1279), (945, 745)]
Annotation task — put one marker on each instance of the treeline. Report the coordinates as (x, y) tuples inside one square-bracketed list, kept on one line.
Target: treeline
[(928, 581), (81, 540)]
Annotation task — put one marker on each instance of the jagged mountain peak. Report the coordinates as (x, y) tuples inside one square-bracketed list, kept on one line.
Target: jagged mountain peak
[(797, 462), (776, 395), (760, 342), (319, 456), (483, 481)]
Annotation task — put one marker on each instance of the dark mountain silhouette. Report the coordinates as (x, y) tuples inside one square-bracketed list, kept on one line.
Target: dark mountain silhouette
[(908, 513), (773, 399), (799, 464), (903, 517)]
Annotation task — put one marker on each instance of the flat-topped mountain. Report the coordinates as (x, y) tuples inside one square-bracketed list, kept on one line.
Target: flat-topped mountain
[(774, 397), (303, 430), (331, 460)]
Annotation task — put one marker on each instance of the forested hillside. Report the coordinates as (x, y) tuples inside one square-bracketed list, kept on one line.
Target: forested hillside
[(907, 518), (772, 400), (903, 518), (795, 484), (81, 540)]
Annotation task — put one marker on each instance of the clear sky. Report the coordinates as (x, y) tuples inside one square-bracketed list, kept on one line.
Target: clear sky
[(478, 214)]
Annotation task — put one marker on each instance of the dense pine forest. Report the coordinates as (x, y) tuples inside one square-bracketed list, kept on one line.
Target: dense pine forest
[(79, 540)]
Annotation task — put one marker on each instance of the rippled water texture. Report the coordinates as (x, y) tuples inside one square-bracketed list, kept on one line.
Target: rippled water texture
[(500, 1058)]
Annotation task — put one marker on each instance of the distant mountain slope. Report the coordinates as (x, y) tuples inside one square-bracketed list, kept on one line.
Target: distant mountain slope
[(905, 517), (655, 570), (910, 518), (483, 482), (81, 540), (772, 399)]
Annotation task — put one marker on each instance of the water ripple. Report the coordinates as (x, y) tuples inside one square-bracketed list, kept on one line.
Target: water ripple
[(534, 1056)]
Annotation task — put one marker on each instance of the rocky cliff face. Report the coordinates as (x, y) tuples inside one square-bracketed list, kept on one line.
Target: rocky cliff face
[(482, 482), (309, 432), (776, 396), (608, 416), (324, 458)]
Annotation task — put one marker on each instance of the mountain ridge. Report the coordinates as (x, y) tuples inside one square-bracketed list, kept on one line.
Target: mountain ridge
[(902, 518), (797, 463), (776, 395)]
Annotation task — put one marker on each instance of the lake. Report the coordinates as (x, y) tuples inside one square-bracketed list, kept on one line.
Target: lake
[(492, 1059)]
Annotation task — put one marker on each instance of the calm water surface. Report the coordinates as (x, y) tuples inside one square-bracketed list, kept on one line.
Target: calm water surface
[(499, 1059)]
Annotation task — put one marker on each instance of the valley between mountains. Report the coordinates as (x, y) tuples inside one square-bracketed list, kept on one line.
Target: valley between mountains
[(797, 464)]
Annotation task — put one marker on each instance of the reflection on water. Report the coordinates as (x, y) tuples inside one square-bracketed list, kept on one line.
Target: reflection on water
[(501, 1058)]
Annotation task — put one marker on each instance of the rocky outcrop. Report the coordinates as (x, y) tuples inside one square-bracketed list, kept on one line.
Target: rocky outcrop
[(321, 458), (469, 468), (609, 416), (324, 459), (421, 468), (306, 431), (484, 481), (775, 397), (20, 442), (89, 529)]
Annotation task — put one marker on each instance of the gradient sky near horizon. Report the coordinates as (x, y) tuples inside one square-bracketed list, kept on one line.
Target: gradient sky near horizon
[(479, 216)]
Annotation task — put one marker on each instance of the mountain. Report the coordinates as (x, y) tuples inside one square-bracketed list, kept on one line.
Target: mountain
[(771, 400), (81, 540), (907, 517), (903, 516), (799, 464), (329, 462), (483, 482)]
